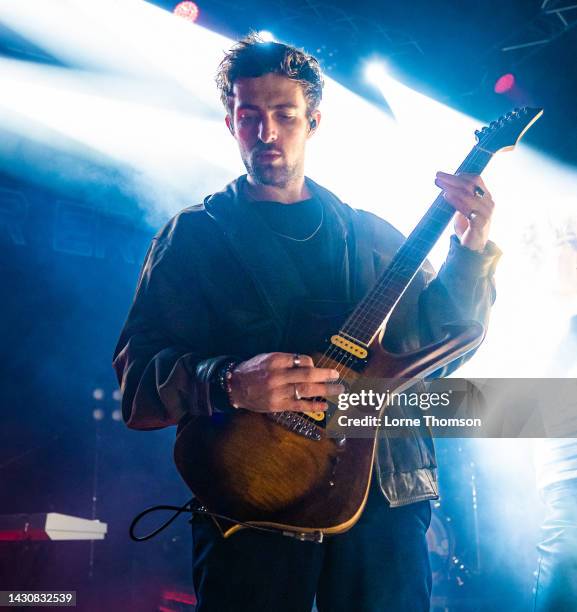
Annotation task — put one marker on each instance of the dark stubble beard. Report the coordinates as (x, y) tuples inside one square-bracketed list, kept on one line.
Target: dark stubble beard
[(275, 174)]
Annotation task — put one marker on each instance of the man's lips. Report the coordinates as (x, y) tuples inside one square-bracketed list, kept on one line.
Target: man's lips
[(268, 155)]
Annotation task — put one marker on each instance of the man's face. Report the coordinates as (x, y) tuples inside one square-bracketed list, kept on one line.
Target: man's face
[(271, 127)]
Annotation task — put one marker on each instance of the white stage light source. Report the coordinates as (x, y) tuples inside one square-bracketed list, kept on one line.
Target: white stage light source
[(266, 36), (375, 72)]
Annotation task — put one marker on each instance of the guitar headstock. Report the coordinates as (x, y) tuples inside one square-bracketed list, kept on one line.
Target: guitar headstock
[(505, 133)]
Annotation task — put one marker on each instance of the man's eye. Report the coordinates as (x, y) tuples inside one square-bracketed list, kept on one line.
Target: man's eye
[(246, 118), (287, 117)]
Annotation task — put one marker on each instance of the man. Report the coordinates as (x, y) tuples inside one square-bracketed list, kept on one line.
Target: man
[(231, 289)]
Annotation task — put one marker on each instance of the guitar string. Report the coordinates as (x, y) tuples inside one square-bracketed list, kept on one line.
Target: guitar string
[(405, 259), (378, 301), (332, 350), (329, 355), (376, 296), (472, 159), (373, 302), (437, 206)]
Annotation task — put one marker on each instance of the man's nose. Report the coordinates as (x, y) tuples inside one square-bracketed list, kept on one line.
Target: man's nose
[(267, 130)]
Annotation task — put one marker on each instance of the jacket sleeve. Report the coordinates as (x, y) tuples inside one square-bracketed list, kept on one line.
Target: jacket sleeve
[(463, 290), (163, 358)]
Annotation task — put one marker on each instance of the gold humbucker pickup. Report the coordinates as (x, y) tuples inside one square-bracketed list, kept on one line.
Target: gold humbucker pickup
[(349, 347)]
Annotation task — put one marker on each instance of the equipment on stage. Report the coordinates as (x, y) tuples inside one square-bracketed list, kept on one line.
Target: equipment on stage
[(49, 526), (283, 470)]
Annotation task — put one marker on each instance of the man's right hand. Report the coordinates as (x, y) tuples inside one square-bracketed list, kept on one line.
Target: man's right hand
[(270, 382)]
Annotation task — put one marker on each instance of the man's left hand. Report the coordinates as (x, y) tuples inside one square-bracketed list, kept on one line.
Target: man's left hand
[(467, 194)]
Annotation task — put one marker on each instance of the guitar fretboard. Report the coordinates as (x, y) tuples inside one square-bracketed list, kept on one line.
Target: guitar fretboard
[(365, 321)]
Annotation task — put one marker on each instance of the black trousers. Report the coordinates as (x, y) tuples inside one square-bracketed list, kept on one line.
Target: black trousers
[(381, 564)]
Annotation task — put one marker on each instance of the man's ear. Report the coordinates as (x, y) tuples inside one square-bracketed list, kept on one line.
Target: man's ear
[(229, 124), (314, 122)]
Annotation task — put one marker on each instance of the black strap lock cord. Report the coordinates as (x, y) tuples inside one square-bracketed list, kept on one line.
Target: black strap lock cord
[(193, 508)]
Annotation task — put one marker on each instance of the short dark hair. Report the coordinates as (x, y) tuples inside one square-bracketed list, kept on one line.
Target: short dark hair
[(253, 57)]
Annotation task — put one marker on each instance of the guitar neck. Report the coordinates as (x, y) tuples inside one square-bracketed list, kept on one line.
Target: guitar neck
[(368, 317)]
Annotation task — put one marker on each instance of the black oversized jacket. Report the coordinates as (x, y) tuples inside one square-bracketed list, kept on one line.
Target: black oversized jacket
[(216, 282)]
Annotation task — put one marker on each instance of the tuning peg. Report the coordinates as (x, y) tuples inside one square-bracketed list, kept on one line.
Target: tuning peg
[(504, 133)]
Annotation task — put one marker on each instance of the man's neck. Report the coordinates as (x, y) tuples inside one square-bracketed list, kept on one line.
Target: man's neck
[(289, 194)]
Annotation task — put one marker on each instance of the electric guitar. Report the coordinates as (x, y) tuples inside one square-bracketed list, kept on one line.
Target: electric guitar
[(283, 470)]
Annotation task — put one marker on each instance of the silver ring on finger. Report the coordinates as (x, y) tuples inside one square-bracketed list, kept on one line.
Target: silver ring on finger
[(472, 215), (478, 191), (296, 360), (297, 394)]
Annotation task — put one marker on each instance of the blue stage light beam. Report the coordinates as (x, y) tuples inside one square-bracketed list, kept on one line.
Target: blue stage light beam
[(162, 116)]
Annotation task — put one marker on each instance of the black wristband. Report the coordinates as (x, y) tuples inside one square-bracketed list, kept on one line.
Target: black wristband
[(225, 374), (220, 387)]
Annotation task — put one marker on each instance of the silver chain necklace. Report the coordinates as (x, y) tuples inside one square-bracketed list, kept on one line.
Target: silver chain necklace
[(310, 237), (315, 232)]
